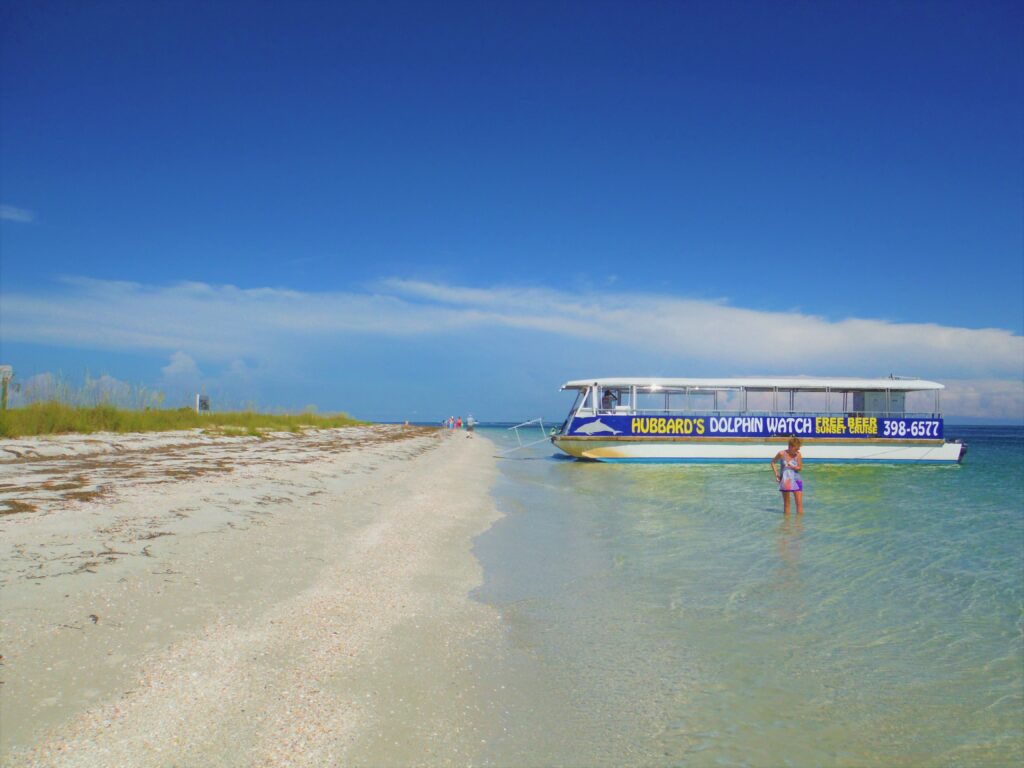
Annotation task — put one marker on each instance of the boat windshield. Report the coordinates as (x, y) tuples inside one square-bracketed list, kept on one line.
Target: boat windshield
[(580, 395)]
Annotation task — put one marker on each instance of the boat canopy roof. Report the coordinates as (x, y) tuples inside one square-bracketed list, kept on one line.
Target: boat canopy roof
[(838, 384)]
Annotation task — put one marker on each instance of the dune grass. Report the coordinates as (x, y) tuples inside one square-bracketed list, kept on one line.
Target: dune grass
[(55, 417)]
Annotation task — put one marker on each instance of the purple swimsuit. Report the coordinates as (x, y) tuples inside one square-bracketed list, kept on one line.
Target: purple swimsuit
[(791, 480)]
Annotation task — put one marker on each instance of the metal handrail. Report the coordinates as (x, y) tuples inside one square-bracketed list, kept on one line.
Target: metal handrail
[(519, 438)]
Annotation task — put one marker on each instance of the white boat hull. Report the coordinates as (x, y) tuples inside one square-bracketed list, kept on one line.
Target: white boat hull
[(710, 451)]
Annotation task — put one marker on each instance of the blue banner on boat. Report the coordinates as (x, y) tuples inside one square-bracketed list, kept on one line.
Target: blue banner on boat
[(846, 427)]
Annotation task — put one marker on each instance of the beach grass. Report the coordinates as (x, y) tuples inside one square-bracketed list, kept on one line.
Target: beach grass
[(56, 417)]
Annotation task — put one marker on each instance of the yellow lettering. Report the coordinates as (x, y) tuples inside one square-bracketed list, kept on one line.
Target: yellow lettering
[(700, 426), (862, 425), (831, 425)]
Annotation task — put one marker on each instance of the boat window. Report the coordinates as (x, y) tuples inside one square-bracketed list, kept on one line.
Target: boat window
[(615, 400), (896, 402), (759, 400), (585, 401), (687, 401), (625, 399), (879, 403), (694, 401), (730, 400), (578, 401), (650, 402), (809, 402)]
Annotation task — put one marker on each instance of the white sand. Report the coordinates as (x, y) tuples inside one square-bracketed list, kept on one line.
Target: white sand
[(301, 600)]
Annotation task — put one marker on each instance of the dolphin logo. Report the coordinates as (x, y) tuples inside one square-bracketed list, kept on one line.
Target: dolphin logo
[(596, 427)]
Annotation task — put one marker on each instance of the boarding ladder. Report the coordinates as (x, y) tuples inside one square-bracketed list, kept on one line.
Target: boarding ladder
[(519, 437)]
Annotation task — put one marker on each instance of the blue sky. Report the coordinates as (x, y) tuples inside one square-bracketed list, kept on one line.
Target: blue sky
[(414, 209)]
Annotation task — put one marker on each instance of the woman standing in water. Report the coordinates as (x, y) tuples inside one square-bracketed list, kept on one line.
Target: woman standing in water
[(789, 480)]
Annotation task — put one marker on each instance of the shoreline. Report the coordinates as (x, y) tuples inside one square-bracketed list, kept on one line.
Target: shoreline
[(261, 612)]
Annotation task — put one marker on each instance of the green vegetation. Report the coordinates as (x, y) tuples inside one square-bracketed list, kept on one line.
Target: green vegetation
[(54, 417)]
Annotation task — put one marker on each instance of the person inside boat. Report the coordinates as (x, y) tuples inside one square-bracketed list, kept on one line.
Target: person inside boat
[(608, 400)]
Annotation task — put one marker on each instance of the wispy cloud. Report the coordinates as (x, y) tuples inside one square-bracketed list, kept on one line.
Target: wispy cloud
[(19, 215), (225, 323), (686, 329)]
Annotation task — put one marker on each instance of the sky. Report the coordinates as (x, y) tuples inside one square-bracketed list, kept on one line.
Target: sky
[(416, 210)]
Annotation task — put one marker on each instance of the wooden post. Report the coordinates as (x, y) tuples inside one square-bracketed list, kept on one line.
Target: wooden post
[(6, 374)]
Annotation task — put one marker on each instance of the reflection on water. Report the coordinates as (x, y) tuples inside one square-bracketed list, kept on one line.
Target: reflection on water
[(686, 620), (789, 546)]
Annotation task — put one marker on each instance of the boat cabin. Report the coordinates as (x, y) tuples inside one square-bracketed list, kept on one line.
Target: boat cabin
[(895, 397)]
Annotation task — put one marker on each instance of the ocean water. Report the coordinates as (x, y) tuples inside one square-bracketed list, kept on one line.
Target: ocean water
[(670, 614)]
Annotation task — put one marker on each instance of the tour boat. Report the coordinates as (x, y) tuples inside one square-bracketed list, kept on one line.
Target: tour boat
[(888, 420)]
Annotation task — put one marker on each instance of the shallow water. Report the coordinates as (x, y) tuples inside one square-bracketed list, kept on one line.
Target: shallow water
[(670, 614)]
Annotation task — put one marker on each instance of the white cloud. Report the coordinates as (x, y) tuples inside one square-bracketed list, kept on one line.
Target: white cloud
[(19, 215), (714, 331), (225, 323), (984, 397), (181, 366)]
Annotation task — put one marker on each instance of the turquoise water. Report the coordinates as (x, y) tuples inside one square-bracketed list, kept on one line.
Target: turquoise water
[(671, 615)]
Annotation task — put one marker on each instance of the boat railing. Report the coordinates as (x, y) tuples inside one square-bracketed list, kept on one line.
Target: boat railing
[(794, 414), (519, 438)]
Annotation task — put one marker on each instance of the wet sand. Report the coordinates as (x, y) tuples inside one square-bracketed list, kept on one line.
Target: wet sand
[(295, 600)]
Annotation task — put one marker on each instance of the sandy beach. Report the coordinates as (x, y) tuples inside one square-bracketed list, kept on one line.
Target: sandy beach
[(186, 599)]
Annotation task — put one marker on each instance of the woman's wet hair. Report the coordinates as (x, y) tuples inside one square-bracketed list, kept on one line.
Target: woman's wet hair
[(794, 442)]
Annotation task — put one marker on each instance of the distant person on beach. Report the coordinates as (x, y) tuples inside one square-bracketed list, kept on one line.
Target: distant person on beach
[(790, 482)]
